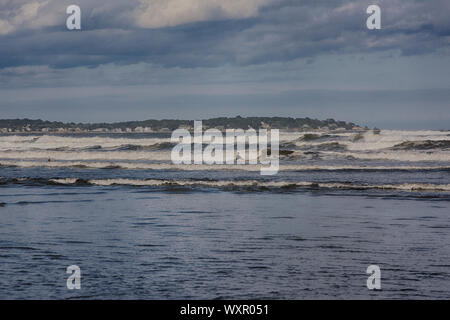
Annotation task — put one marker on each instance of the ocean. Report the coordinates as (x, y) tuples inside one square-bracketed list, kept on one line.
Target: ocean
[(140, 227)]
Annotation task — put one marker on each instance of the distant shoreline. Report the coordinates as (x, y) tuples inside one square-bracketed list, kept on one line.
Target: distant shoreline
[(168, 125)]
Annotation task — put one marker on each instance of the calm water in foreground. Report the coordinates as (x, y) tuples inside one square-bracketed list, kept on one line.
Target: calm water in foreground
[(132, 243)]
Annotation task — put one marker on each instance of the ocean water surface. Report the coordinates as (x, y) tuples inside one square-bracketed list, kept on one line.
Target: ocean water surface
[(140, 227)]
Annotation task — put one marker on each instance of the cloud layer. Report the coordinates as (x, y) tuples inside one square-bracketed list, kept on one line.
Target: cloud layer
[(168, 13), (190, 33), (245, 53)]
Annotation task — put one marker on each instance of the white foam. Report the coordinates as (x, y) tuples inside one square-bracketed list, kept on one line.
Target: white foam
[(370, 147), (255, 183), (46, 142), (86, 155), (389, 138), (21, 143)]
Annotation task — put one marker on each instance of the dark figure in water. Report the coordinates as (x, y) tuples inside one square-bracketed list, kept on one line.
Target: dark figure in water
[(49, 160)]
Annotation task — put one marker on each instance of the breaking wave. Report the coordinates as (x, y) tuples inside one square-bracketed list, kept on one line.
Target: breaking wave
[(405, 156), (213, 167), (409, 187), (325, 146), (423, 145), (135, 147), (123, 147), (74, 143)]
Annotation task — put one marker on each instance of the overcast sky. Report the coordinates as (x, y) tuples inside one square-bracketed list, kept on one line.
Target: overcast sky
[(196, 59)]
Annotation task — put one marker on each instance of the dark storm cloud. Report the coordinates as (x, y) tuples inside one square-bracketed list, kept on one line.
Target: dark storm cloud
[(282, 30), (182, 47)]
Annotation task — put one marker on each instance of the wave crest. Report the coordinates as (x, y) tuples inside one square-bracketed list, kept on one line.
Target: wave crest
[(264, 185), (423, 145)]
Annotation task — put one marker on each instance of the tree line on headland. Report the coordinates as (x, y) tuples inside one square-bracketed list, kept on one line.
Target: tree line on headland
[(222, 123)]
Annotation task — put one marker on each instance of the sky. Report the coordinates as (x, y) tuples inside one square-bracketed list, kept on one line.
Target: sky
[(198, 59)]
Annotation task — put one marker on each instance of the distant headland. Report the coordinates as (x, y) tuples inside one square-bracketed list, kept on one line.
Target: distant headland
[(148, 126)]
